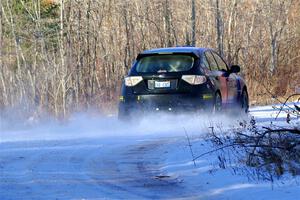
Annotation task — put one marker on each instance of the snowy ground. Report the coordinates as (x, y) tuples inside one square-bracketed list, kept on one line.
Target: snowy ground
[(94, 157)]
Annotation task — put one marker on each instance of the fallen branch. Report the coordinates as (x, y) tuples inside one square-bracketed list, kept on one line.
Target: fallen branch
[(284, 104), (294, 131), (190, 146)]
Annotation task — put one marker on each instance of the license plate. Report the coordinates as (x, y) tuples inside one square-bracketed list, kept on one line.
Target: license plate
[(162, 84)]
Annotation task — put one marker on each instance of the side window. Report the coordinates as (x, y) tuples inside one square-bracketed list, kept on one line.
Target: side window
[(204, 62), (222, 65), (212, 63)]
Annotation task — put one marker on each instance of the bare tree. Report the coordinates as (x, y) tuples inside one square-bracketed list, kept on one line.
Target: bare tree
[(62, 56), (193, 21), (219, 27)]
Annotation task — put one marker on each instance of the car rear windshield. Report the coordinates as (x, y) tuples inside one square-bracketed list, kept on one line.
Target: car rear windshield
[(165, 63)]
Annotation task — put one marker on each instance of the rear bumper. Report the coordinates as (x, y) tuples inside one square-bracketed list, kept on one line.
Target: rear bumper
[(165, 102)]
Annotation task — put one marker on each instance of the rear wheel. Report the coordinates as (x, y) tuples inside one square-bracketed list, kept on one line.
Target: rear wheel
[(123, 114), (217, 107), (244, 102)]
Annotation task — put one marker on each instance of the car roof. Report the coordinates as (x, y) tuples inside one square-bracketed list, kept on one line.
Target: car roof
[(195, 50)]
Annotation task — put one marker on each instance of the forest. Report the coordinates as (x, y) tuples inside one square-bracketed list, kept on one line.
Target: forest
[(66, 56)]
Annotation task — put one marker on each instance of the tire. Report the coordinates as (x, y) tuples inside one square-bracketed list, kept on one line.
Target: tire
[(217, 107), (121, 117), (244, 102), (123, 114)]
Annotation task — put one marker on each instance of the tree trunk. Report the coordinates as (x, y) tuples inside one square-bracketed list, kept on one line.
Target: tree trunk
[(193, 21), (219, 27)]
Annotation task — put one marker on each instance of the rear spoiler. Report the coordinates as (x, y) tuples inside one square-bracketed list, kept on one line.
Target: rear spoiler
[(142, 55)]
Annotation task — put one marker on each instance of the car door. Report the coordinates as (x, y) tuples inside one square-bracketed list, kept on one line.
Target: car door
[(217, 77), (230, 78)]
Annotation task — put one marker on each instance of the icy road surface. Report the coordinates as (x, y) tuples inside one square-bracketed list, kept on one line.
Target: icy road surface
[(101, 158)]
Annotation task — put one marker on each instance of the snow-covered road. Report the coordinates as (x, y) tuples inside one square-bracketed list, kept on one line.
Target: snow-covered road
[(105, 159), (81, 169)]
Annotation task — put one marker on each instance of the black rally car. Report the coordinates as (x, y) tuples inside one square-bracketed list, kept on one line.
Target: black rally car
[(181, 79)]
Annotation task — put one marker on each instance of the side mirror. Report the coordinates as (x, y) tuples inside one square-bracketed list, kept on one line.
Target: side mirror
[(235, 69)]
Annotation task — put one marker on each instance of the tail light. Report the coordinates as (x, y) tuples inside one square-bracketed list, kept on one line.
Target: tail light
[(194, 79), (132, 80)]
